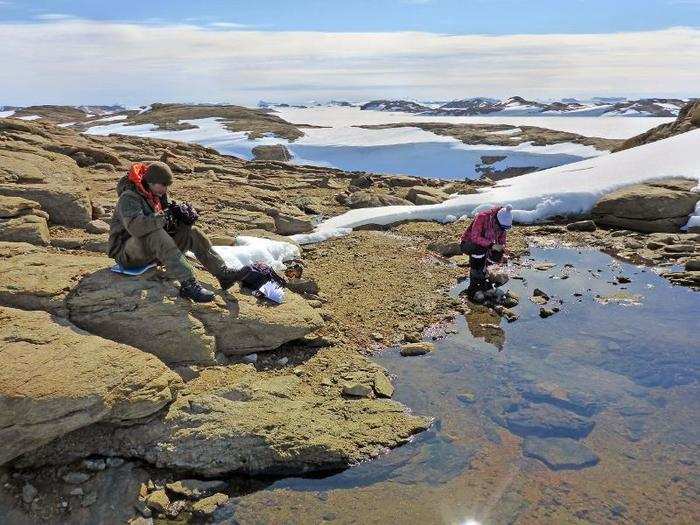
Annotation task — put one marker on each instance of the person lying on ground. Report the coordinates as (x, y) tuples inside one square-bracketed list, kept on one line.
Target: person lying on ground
[(485, 242), (147, 227)]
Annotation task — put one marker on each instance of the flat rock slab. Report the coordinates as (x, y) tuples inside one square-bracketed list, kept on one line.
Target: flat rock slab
[(544, 420), (146, 311), (210, 435), (560, 453), (55, 378)]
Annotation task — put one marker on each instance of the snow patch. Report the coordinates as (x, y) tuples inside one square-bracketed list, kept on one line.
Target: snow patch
[(572, 189), (30, 117), (6, 114), (248, 250)]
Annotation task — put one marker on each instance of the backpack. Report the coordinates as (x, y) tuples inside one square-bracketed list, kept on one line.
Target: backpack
[(255, 275)]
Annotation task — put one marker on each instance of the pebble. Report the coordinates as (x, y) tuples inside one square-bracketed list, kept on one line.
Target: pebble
[(546, 312), (29, 492), (415, 349), (94, 465), (250, 358), (283, 361), (623, 279), (115, 462), (207, 506), (75, 478), (357, 390), (158, 501), (382, 385)]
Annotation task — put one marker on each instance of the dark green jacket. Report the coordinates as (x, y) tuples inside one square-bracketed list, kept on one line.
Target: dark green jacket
[(133, 217)]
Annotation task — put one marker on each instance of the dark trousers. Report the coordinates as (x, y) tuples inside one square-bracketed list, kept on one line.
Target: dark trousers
[(478, 261), (169, 249)]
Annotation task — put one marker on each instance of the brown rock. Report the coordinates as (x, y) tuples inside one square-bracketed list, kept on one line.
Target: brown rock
[(16, 206), (55, 378), (27, 228), (97, 226), (661, 206), (158, 501), (276, 152), (426, 195), (415, 349), (207, 506)]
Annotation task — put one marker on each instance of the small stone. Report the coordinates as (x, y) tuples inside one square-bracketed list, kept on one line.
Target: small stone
[(283, 361), (97, 226), (623, 279), (143, 509), (382, 385), (546, 312), (415, 349), (467, 397), (250, 358), (510, 300), (94, 465), (89, 499), (76, 478), (357, 390), (510, 316), (158, 501), (326, 382), (207, 506), (175, 508), (692, 265), (544, 266), (582, 226), (195, 489), (412, 337), (377, 336), (29, 492), (77, 491)]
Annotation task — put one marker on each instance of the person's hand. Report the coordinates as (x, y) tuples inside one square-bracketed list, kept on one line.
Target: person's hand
[(170, 220), (184, 212)]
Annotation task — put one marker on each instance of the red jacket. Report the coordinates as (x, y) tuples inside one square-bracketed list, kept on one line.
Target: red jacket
[(484, 229)]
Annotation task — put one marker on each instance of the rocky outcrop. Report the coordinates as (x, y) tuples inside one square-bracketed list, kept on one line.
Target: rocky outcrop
[(35, 279), (147, 312), (687, 120), (426, 195), (51, 179), (27, 228), (55, 378), (229, 422), (277, 152), (368, 199), (662, 206)]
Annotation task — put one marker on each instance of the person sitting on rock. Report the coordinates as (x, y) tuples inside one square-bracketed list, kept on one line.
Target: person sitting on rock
[(485, 241), (147, 227)]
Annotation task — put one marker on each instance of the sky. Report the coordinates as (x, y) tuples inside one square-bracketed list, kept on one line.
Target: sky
[(129, 52)]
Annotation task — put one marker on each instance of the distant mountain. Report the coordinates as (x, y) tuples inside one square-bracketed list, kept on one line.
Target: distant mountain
[(405, 106), (519, 106)]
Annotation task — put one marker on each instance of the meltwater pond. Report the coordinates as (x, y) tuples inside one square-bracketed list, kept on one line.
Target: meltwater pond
[(588, 416)]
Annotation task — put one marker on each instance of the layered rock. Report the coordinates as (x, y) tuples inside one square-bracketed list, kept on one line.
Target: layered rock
[(237, 424), (51, 179), (147, 312), (55, 378), (27, 228), (276, 152), (426, 195), (662, 206)]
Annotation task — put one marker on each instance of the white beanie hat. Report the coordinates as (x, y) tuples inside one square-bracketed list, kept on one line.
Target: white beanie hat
[(504, 216)]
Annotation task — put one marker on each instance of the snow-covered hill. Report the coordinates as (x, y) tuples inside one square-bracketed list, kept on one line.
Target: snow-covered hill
[(519, 106), (571, 190)]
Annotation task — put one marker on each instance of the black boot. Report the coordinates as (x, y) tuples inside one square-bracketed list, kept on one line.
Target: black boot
[(192, 290), (228, 278)]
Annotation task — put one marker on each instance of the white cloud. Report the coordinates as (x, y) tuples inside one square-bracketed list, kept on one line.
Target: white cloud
[(80, 61)]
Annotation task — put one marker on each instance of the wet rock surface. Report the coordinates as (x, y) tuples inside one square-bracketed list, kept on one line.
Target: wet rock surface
[(560, 453)]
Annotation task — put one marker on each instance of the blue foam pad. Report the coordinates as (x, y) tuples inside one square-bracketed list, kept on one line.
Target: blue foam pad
[(118, 268)]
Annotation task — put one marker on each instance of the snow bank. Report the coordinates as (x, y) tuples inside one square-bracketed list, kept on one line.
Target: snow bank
[(30, 117), (5, 114), (572, 189), (247, 250)]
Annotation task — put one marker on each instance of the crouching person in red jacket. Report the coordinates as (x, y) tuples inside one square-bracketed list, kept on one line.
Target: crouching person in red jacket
[(485, 241)]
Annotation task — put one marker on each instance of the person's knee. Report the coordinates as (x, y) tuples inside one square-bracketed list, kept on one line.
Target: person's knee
[(159, 240)]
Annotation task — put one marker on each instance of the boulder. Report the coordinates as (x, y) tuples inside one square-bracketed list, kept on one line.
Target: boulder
[(276, 152), (368, 199), (662, 206), (289, 224), (97, 226), (52, 180), (544, 420), (16, 206), (34, 279), (27, 228), (212, 435), (147, 312), (582, 226), (559, 453), (426, 195), (55, 378)]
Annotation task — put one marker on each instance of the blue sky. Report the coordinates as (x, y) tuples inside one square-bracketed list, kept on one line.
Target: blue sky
[(142, 51), (439, 16)]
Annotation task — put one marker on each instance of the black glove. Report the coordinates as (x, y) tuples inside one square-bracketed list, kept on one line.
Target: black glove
[(184, 212), (170, 220)]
